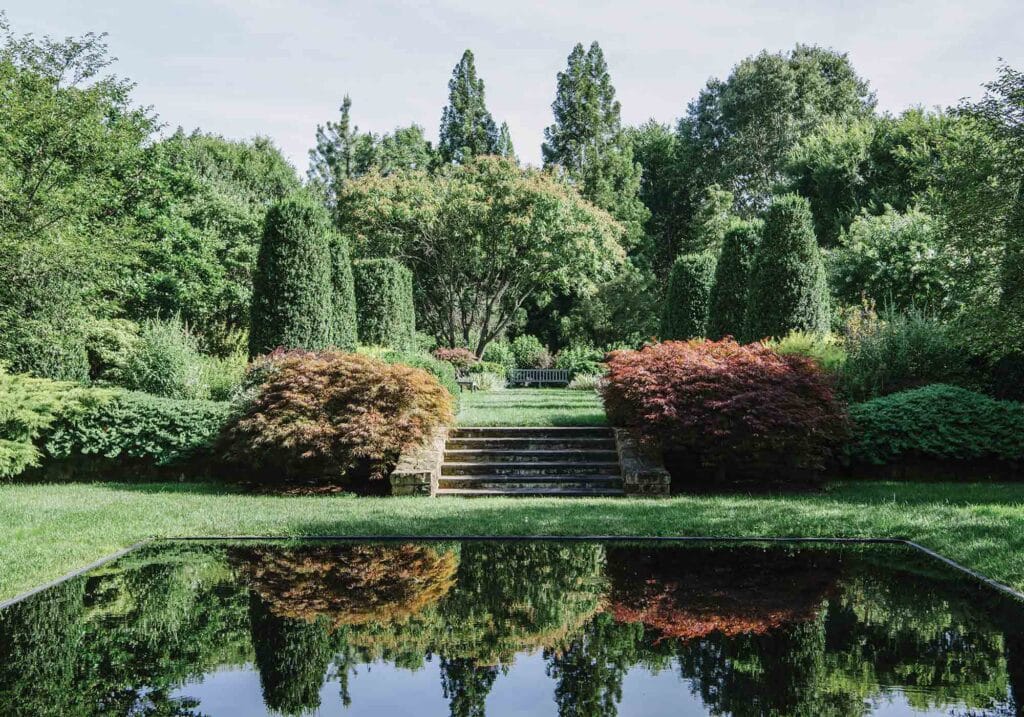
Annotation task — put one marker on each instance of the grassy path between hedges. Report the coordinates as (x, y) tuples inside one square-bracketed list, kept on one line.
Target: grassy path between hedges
[(531, 407), (48, 530)]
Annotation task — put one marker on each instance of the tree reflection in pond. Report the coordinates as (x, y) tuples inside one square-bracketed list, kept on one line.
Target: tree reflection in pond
[(734, 630)]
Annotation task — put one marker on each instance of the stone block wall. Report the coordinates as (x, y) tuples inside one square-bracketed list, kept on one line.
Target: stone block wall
[(643, 468), (419, 468)]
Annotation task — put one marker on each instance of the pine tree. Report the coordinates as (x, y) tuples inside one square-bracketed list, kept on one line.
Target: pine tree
[(292, 302), (587, 140), (728, 301), (504, 147), (788, 286), (343, 298), (467, 128), (333, 159), (685, 314)]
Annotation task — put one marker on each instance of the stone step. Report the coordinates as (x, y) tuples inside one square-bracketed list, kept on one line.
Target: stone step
[(493, 455), (496, 482), (531, 443), (530, 432), (555, 492), (529, 468)]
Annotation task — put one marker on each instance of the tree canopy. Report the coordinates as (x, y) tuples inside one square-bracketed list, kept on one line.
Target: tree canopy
[(481, 238)]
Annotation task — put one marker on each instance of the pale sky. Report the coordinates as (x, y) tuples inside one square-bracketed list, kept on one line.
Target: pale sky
[(245, 67)]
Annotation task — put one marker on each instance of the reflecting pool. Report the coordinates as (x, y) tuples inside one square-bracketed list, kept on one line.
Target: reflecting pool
[(514, 628)]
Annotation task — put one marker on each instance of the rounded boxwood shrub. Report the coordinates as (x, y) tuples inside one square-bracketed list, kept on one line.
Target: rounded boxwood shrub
[(728, 301), (685, 315), (323, 415), (736, 409), (384, 307), (443, 371), (936, 422), (343, 298), (788, 284), (292, 304)]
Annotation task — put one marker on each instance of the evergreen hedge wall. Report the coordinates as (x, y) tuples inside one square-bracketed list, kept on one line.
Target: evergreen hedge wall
[(384, 308), (343, 316)]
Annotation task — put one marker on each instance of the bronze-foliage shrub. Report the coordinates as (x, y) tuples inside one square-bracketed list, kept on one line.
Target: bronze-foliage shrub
[(331, 415), (738, 410)]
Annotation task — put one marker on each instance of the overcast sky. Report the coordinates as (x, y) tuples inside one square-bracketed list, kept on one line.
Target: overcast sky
[(246, 67)]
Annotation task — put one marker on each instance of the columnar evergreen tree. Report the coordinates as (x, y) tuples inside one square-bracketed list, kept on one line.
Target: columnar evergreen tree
[(587, 140), (467, 128), (384, 303), (505, 148), (728, 301), (292, 302), (788, 286), (343, 298), (685, 314)]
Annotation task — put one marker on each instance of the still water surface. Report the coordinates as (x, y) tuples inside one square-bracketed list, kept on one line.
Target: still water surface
[(513, 628)]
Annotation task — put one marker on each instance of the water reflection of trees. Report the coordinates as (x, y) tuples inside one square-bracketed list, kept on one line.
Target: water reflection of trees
[(753, 632)]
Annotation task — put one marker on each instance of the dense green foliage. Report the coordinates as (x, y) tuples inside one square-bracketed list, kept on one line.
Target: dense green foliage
[(901, 351), (344, 330), (28, 408), (827, 351), (938, 422), (481, 238), (687, 300), (727, 304), (137, 429), (443, 371), (580, 360), (893, 259), (384, 303), (788, 288), (292, 303), (529, 352)]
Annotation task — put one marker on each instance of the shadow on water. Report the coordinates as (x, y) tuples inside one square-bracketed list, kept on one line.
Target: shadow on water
[(466, 627)]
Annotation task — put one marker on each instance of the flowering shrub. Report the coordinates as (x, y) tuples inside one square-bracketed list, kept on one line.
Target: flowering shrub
[(321, 414), (734, 408), (458, 357)]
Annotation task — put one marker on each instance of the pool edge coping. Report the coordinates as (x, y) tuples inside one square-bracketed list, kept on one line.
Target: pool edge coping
[(949, 562)]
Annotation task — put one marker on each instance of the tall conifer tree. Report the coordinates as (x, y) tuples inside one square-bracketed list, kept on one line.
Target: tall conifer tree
[(588, 141), (467, 128), (505, 148)]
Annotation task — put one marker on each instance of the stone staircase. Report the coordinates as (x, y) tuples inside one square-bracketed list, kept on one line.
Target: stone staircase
[(570, 461)]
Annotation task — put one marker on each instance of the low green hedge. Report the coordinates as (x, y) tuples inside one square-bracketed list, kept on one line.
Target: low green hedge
[(938, 421), (161, 432)]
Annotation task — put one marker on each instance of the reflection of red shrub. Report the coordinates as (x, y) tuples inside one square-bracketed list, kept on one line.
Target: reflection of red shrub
[(682, 593), (733, 406), (349, 584), (459, 358)]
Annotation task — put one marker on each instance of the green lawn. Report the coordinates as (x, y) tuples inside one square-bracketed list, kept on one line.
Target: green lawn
[(531, 407), (47, 530)]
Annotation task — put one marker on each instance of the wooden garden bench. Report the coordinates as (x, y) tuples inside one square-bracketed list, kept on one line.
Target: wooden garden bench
[(538, 377)]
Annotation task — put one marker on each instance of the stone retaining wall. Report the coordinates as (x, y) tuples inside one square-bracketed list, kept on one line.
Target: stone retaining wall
[(419, 468), (643, 468)]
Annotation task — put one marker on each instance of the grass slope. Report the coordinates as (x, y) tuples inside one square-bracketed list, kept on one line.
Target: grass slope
[(531, 407), (47, 530)]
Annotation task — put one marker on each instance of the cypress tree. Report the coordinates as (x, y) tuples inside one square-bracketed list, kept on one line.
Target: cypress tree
[(504, 147), (588, 141), (384, 305), (685, 314), (292, 290), (343, 298), (467, 128), (728, 302), (788, 286)]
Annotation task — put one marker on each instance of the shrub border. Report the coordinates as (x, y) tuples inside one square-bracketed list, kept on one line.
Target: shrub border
[(949, 562)]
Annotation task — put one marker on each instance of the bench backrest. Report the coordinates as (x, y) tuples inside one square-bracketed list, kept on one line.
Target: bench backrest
[(538, 375)]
